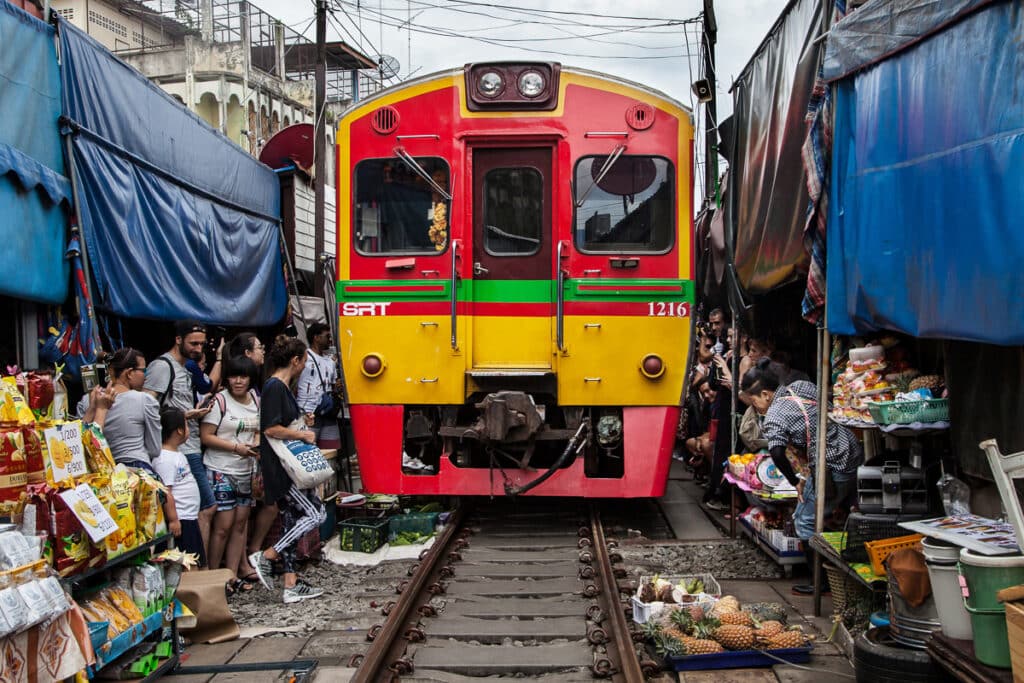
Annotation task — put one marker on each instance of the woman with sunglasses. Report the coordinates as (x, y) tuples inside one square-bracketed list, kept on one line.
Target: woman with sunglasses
[(132, 425)]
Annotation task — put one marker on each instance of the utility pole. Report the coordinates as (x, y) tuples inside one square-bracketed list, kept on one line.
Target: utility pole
[(320, 142), (710, 110)]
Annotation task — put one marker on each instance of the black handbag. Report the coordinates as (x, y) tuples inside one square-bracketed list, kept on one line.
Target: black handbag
[(328, 405)]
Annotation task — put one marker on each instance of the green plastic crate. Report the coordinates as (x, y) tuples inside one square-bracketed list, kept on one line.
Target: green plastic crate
[(905, 412), (363, 534), (418, 522)]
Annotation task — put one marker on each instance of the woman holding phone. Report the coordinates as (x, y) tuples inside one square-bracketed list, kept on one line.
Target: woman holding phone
[(230, 434)]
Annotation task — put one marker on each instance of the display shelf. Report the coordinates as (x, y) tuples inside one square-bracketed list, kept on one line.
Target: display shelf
[(909, 430), (123, 642), (70, 581), (829, 554), (786, 559)]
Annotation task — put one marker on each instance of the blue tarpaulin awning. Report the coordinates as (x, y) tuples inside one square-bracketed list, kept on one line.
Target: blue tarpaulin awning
[(179, 221), (34, 194), (927, 178)]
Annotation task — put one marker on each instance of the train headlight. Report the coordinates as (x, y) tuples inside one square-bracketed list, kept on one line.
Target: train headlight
[(373, 365), (531, 83), (491, 84), (651, 366)]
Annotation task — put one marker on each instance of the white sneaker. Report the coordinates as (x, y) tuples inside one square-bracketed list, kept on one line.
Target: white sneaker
[(299, 592), (263, 569)]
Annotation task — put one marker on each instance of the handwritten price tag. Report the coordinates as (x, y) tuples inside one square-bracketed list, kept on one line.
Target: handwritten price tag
[(64, 445), (90, 512)]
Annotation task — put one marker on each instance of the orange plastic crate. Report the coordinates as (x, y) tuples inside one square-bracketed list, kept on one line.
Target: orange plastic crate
[(879, 551)]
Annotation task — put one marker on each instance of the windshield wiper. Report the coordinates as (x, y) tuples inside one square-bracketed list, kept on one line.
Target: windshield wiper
[(607, 166), (418, 170)]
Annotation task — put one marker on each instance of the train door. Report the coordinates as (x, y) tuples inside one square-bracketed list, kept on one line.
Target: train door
[(512, 291)]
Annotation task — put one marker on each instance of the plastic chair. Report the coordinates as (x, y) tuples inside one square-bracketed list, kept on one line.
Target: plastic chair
[(1006, 468)]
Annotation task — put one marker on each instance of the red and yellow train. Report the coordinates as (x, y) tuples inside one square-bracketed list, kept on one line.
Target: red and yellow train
[(515, 282)]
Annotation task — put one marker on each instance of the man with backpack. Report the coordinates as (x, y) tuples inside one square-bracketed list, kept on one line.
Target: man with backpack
[(318, 391), (170, 383)]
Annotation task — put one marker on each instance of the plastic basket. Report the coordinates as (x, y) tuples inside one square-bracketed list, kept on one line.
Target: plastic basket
[(861, 528), (363, 534), (418, 522), (879, 551), (905, 412)]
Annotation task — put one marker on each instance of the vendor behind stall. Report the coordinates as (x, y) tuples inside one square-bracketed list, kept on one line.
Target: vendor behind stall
[(791, 420)]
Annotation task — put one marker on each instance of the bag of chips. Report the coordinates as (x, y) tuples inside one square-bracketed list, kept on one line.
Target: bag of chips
[(39, 388), (15, 611), (35, 467), (13, 475), (97, 451), (71, 547), (149, 512), (123, 483)]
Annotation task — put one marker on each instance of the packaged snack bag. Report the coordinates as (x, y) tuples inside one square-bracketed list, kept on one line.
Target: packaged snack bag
[(148, 588), (14, 550), (13, 407), (70, 542), (123, 603), (35, 601), (13, 475), (14, 609), (39, 386), (52, 588), (111, 546), (97, 451), (35, 467), (123, 483), (149, 511)]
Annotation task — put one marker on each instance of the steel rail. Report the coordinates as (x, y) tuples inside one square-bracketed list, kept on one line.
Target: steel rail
[(389, 645), (620, 646)]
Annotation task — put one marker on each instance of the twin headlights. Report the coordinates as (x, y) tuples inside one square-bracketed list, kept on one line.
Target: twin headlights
[(530, 84)]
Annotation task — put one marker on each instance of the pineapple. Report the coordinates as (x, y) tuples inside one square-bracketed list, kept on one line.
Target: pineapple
[(786, 639), (682, 623), (701, 646), (734, 637), (665, 645), (696, 612), (736, 619), (726, 605), (651, 629), (705, 628), (766, 611), (768, 629)]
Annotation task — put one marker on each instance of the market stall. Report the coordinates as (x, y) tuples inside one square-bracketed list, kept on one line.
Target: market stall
[(87, 578)]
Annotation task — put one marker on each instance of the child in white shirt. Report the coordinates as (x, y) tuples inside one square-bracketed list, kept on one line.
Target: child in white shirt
[(172, 467)]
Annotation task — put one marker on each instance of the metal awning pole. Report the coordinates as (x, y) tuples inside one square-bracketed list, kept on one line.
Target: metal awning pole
[(824, 377)]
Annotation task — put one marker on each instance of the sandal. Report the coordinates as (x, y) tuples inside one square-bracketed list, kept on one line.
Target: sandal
[(243, 586), (229, 589), (251, 578)]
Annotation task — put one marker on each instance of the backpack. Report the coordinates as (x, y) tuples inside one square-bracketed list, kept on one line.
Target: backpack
[(170, 382)]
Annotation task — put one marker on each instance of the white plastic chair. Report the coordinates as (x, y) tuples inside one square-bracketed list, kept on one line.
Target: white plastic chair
[(1006, 468)]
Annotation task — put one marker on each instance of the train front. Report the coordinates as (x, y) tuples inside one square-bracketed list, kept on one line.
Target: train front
[(515, 282)]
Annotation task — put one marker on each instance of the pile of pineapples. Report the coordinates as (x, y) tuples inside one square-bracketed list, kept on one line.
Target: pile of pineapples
[(690, 630)]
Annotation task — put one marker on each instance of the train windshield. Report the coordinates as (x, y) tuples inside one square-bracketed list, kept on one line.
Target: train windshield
[(397, 211), (630, 209)]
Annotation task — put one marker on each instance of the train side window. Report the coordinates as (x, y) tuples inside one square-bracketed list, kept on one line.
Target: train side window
[(630, 209), (513, 211), (398, 212)]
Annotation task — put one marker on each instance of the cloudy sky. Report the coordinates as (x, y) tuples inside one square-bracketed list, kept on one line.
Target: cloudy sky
[(654, 42)]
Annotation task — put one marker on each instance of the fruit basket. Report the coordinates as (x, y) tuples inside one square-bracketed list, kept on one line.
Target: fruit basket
[(905, 412), (705, 595)]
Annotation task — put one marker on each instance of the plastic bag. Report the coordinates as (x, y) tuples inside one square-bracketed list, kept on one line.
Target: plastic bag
[(956, 495), (15, 550), (14, 609)]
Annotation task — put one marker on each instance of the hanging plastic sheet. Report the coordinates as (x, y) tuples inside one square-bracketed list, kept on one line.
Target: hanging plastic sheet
[(924, 221), (770, 99), (34, 194), (179, 221)]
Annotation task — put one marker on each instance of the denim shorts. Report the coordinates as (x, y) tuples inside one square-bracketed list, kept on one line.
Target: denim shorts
[(230, 491), (195, 463)]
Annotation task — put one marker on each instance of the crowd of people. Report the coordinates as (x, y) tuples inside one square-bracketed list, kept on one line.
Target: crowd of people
[(776, 412), (205, 434)]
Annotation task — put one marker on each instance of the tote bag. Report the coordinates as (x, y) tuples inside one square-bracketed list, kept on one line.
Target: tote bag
[(304, 463)]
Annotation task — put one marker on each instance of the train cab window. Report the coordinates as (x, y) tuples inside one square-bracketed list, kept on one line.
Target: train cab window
[(397, 211), (624, 204), (513, 211)]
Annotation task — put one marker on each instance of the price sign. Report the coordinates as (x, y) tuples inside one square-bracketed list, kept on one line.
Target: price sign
[(84, 504), (64, 446)]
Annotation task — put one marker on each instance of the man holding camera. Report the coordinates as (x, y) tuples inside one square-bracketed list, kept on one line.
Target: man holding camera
[(170, 383), (319, 389)]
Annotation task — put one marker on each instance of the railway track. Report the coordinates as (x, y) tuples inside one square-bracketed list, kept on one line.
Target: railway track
[(510, 588)]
